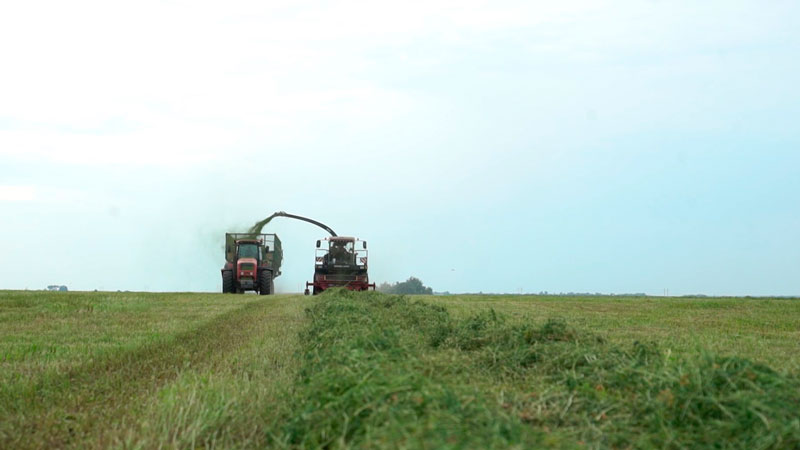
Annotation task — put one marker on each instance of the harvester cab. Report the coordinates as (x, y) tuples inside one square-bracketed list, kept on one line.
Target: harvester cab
[(252, 263), (340, 262)]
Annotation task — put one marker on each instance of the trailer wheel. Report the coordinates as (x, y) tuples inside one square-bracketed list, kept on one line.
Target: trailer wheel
[(227, 282), (265, 283)]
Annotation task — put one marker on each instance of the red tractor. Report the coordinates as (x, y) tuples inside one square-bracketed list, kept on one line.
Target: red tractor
[(340, 263), (252, 263)]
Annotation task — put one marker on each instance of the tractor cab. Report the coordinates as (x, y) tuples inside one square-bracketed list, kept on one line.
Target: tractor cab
[(340, 262), (249, 249), (341, 252)]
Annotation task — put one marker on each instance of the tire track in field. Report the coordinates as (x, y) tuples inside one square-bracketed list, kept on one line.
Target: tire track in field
[(75, 407)]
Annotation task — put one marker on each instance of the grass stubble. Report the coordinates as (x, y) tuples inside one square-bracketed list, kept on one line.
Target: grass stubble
[(366, 370), (177, 388)]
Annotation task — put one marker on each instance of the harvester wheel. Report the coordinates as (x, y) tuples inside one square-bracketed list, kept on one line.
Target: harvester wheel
[(265, 286), (227, 282)]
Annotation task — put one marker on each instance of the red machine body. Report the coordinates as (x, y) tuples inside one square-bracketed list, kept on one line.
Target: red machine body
[(252, 263), (340, 263)]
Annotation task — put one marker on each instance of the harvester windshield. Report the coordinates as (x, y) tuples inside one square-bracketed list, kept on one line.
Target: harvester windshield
[(342, 246), (340, 252)]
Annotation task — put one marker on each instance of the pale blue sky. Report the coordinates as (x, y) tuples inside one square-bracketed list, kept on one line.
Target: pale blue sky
[(621, 146)]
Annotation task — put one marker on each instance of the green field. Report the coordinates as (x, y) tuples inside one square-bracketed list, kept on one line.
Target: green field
[(142, 370)]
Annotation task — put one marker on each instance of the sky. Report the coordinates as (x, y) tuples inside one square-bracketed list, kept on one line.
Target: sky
[(481, 146)]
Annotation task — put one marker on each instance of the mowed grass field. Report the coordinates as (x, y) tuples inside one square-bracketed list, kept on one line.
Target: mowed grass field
[(763, 329), (145, 370)]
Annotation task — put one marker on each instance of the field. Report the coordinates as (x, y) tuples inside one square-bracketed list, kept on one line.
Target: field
[(143, 370)]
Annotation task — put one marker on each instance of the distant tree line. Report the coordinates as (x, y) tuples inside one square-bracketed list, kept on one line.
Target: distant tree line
[(595, 294), (412, 286)]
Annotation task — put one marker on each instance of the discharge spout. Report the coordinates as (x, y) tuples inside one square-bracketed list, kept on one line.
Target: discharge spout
[(256, 229)]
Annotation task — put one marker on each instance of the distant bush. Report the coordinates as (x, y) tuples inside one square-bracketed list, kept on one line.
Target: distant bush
[(412, 286)]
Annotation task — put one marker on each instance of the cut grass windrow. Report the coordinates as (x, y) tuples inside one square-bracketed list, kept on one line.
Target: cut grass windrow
[(60, 410), (381, 370)]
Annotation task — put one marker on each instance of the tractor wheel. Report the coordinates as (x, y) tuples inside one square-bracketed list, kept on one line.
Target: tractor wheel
[(227, 282), (265, 286)]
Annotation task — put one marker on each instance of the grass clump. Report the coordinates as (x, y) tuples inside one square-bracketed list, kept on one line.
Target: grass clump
[(385, 370), (366, 381)]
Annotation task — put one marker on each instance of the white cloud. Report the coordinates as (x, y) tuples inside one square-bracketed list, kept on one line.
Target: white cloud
[(17, 193), (42, 194), (150, 147)]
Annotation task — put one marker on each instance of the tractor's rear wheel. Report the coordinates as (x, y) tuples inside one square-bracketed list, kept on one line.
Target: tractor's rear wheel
[(265, 286), (227, 282)]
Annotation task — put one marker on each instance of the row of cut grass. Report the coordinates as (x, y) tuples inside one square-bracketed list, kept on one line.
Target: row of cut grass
[(384, 370)]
